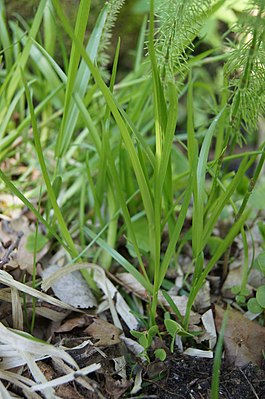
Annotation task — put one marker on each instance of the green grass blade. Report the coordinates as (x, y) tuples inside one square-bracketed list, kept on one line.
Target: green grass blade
[(140, 45), (176, 232), (64, 230), (7, 141), (146, 195), (172, 305), (4, 38), (23, 58), (49, 28), (39, 60), (121, 260), (9, 113), (218, 360), (28, 204), (80, 28), (223, 199), (226, 243), (52, 62), (199, 198), (80, 86)]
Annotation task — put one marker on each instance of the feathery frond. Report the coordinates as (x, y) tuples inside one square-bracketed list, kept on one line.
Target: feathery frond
[(246, 68), (113, 9), (179, 23)]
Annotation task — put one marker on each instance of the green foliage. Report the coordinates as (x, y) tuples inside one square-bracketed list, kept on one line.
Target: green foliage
[(246, 70), (140, 163), (174, 328), (257, 305), (179, 23), (40, 239), (145, 339), (160, 354), (113, 8), (218, 359)]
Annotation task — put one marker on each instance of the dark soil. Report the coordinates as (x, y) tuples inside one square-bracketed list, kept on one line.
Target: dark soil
[(190, 377)]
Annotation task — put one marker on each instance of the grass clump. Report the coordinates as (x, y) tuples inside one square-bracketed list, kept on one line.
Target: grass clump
[(143, 163)]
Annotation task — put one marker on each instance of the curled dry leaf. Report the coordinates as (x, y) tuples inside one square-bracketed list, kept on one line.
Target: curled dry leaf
[(244, 340), (104, 333), (80, 321), (208, 323), (198, 353), (114, 297)]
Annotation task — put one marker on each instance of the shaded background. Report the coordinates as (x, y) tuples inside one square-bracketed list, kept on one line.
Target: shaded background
[(127, 26)]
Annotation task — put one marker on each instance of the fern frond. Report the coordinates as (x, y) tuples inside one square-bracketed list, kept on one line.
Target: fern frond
[(246, 69), (179, 23), (113, 9)]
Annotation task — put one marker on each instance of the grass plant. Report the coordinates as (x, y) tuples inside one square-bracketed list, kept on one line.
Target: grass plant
[(133, 159)]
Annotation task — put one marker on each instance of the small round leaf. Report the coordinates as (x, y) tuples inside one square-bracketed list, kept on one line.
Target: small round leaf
[(160, 354), (240, 299), (236, 289), (253, 306), (261, 296)]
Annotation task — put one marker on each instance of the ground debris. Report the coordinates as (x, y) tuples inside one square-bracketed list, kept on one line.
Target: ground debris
[(191, 378)]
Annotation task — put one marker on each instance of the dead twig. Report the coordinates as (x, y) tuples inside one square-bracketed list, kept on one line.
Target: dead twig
[(10, 249)]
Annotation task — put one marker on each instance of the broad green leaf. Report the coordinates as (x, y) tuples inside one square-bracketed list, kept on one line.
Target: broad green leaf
[(174, 328), (160, 354), (41, 242), (261, 296), (256, 199), (259, 262), (140, 228), (254, 306), (213, 244)]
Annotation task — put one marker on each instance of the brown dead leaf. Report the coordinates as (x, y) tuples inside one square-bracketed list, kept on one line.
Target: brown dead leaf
[(132, 285), (66, 391), (105, 333), (25, 258), (244, 340), (47, 371), (81, 321), (116, 388)]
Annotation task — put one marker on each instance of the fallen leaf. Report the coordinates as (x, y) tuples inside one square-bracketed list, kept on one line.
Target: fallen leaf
[(80, 321), (68, 392), (71, 288), (198, 353), (202, 301), (25, 258), (244, 340), (132, 285), (134, 347), (116, 388), (208, 322), (104, 333), (113, 295)]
